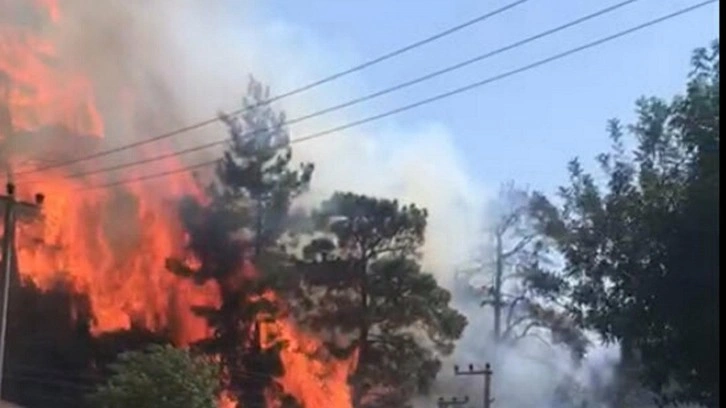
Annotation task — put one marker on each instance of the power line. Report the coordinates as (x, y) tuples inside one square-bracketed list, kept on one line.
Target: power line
[(295, 91), (364, 98), (433, 98)]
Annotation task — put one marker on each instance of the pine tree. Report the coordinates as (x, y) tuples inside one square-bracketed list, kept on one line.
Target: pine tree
[(234, 238), (374, 290)]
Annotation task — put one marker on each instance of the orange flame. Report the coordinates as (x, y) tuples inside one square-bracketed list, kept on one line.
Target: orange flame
[(110, 245), (311, 373), (40, 93)]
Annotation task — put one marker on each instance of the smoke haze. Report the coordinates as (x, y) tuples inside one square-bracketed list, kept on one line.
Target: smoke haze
[(192, 58)]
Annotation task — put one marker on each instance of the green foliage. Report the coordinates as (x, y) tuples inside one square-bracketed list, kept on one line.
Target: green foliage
[(373, 289), (642, 251), (254, 177), (159, 377), (369, 228)]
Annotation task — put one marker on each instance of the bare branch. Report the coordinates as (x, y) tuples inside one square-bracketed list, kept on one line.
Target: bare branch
[(510, 312), (513, 275), (536, 336), (529, 327), (520, 245), (514, 324), (507, 222)]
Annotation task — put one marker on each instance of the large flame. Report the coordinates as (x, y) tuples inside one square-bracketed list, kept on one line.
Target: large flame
[(110, 244)]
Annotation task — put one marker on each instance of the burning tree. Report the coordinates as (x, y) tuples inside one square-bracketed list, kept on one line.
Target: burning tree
[(233, 239), (106, 245), (373, 290)]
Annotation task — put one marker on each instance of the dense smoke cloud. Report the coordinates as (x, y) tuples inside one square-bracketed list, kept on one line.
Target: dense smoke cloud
[(191, 59)]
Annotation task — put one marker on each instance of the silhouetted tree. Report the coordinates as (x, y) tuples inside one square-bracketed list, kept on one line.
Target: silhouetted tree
[(642, 251), (48, 355)]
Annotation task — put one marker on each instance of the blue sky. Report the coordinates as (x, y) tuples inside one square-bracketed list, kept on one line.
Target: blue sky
[(528, 126)]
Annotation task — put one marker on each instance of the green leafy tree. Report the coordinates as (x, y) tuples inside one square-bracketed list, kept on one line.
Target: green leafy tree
[(524, 294), (234, 238), (159, 377), (375, 291), (642, 251)]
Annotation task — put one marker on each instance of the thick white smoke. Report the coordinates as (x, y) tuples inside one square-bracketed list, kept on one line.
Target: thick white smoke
[(192, 58)]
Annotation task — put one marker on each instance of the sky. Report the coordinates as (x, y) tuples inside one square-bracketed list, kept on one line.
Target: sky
[(524, 128)]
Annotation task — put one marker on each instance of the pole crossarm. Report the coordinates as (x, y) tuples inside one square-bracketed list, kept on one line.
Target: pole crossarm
[(452, 402), (486, 373)]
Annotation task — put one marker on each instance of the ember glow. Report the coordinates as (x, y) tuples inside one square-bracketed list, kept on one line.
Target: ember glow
[(111, 244)]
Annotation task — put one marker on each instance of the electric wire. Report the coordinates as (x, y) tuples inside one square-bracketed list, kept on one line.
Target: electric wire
[(295, 91), (358, 100), (432, 99)]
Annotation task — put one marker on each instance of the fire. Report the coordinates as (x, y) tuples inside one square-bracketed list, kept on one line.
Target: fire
[(39, 93), (111, 244), (320, 381)]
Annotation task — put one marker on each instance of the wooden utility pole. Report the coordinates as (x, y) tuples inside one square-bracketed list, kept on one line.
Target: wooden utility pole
[(11, 207), (487, 374), (453, 402)]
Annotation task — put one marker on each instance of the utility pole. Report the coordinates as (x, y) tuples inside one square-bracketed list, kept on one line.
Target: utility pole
[(453, 402), (487, 374), (11, 207)]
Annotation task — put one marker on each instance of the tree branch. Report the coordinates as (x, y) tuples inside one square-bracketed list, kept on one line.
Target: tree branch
[(536, 336), (520, 245), (529, 327), (512, 305), (506, 223), (514, 275), (514, 324)]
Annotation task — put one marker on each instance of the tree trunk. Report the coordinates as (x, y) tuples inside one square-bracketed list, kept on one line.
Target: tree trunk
[(498, 291), (258, 228), (626, 378)]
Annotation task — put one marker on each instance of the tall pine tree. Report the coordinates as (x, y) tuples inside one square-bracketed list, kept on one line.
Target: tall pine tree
[(234, 239)]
